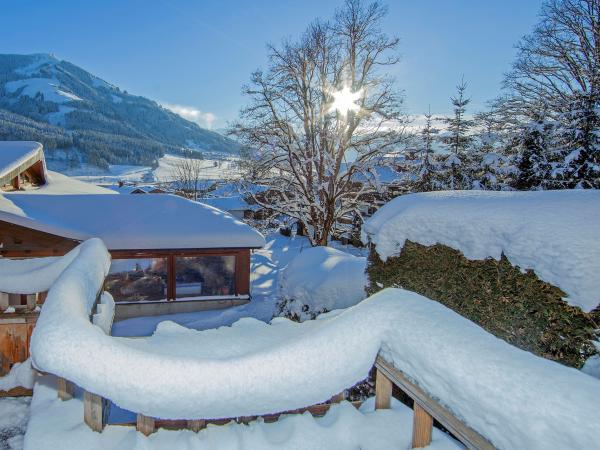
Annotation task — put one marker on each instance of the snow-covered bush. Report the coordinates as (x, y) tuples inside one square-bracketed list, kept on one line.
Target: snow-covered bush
[(321, 279), (522, 265)]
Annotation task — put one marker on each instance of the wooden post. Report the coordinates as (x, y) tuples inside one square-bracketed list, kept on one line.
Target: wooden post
[(93, 411), (338, 397), (4, 303), (196, 425), (65, 389), (422, 427), (145, 424), (383, 391)]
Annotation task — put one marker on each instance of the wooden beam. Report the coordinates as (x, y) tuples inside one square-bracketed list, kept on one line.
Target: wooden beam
[(383, 391), (145, 424), (422, 427), (65, 389), (93, 411), (17, 392), (465, 434)]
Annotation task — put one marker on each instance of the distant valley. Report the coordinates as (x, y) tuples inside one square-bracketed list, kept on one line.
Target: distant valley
[(83, 121)]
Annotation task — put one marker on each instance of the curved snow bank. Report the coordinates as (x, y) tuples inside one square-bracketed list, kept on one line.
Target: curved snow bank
[(20, 375), (322, 279), (515, 399), (555, 233)]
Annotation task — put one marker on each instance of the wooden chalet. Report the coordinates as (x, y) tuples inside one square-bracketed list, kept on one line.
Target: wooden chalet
[(169, 254)]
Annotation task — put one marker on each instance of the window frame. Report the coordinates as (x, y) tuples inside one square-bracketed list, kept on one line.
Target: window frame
[(241, 268)]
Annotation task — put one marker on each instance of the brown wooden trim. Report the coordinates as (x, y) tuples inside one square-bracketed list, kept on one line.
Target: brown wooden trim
[(163, 253), (171, 294), (242, 273)]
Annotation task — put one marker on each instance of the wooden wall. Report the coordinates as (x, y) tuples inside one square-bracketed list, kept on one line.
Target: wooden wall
[(19, 241), (15, 334)]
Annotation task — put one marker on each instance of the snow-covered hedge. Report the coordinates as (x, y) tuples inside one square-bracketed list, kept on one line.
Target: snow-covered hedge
[(555, 233), (321, 279)]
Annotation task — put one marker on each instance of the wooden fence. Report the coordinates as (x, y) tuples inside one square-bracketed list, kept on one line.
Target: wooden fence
[(426, 411)]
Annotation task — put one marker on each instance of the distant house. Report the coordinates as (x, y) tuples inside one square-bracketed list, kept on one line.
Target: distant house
[(236, 206), (169, 254), (137, 189), (21, 163)]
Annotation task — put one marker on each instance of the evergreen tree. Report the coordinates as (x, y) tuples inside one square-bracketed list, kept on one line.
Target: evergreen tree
[(455, 173), (424, 180), (579, 140), (532, 156)]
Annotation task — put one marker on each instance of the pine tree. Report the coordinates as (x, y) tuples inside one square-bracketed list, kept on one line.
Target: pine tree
[(532, 156), (579, 165), (458, 141), (425, 170)]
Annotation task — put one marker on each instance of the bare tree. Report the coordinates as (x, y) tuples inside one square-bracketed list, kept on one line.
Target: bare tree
[(187, 174), (557, 72), (321, 116)]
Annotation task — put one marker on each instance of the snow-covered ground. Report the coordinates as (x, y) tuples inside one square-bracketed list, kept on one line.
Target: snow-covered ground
[(214, 168), (14, 414), (322, 279)]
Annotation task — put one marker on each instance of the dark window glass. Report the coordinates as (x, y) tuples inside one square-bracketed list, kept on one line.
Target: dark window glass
[(201, 276), (142, 279)]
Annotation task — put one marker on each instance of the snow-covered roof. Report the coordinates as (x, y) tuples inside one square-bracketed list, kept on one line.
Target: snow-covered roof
[(130, 221), (15, 153), (555, 233)]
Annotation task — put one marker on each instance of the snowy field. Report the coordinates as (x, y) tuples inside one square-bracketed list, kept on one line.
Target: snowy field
[(213, 168)]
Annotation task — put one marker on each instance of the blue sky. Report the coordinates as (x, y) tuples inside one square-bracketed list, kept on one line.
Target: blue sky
[(197, 54)]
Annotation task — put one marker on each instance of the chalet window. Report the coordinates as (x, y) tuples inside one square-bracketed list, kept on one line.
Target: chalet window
[(204, 276), (140, 279)]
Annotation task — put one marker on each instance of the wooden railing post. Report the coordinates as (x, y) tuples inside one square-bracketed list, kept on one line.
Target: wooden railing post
[(422, 427), (65, 389), (93, 411), (145, 424), (196, 425), (383, 391), (338, 397)]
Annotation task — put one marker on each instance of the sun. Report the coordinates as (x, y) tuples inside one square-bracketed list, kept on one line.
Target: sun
[(345, 100)]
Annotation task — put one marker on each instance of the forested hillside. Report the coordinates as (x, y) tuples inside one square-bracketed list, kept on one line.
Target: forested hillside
[(63, 106)]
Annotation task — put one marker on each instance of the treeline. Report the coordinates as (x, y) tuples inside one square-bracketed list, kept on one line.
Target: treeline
[(97, 148), (543, 132)]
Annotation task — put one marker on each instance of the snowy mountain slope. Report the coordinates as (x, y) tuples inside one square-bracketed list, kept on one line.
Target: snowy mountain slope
[(105, 124)]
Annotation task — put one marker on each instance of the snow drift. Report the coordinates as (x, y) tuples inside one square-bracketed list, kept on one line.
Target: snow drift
[(555, 233), (322, 279), (515, 399)]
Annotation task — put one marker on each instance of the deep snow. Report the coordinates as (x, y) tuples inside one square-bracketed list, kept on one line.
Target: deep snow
[(322, 279)]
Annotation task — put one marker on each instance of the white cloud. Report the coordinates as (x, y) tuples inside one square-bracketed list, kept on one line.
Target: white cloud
[(204, 119)]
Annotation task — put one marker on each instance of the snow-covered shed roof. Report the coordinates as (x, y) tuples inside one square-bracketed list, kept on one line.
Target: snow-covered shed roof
[(555, 233), (17, 156), (130, 222), (234, 203), (59, 184)]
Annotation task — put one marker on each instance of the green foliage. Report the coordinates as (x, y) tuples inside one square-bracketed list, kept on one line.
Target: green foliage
[(515, 306)]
